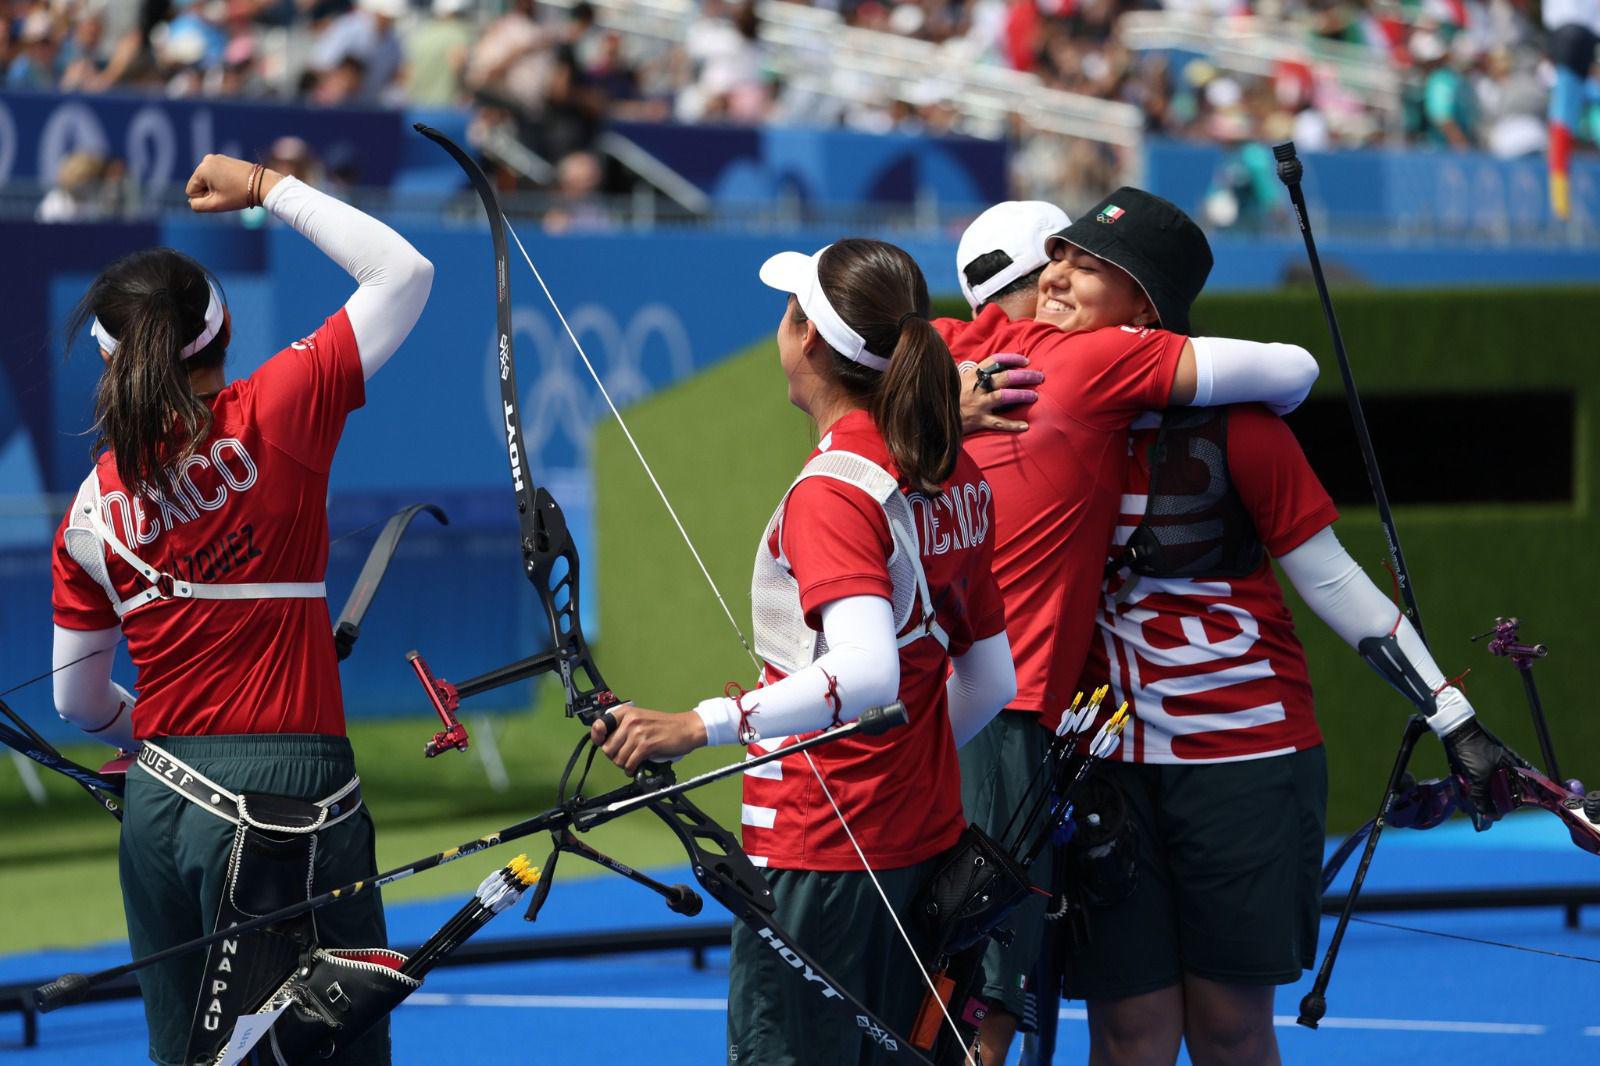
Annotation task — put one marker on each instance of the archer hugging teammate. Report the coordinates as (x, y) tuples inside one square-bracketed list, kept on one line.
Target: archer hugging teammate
[(1212, 911)]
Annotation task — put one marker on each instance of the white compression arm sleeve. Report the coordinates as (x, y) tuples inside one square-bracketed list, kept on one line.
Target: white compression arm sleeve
[(1234, 371), (85, 695), (980, 685), (862, 660), (394, 279), (1344, 597)]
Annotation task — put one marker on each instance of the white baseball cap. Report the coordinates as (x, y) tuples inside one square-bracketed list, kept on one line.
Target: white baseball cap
[(1019, 228), (796, 272)]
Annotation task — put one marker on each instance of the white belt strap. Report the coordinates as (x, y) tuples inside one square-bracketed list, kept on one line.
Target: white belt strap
[(205, 793), (165, 586)]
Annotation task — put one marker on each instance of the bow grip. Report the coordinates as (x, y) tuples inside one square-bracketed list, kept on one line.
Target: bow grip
[(878, 720)]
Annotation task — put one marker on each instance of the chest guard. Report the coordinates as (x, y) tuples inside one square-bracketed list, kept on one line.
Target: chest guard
[(1194, 525), (782, 637), (88, 536)]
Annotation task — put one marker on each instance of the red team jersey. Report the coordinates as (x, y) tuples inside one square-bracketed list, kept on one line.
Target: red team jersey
[(897, 791), (251, 506), (1057, 486), (1212, 668)]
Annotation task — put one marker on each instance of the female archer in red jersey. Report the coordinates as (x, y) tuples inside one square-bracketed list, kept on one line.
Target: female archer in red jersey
[(871, 583), (200, 536)]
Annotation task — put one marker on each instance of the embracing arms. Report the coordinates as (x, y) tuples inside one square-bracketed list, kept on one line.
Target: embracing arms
[(1214, 371), (1210, 372)]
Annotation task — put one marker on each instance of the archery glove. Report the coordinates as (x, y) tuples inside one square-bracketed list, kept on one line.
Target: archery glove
[(1476, 754)]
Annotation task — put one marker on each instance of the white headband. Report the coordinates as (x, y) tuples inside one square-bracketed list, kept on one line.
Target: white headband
[(214, 317), (796, 272)]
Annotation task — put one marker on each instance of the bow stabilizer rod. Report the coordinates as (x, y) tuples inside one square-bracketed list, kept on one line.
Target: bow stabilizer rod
[(1290, 171), (69, 989)]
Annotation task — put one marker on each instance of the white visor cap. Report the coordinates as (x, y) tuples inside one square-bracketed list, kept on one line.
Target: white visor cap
[(1019, 228), (796, 272)]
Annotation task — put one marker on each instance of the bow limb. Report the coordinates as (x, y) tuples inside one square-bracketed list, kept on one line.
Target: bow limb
[(26, 741), (348, 628)]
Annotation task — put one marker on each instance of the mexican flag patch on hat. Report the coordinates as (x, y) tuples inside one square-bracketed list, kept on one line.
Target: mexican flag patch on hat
[(1111, 213)]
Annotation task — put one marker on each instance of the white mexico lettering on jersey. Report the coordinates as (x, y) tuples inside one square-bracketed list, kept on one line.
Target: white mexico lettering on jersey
[(1130, 644), (956, 519), (202, 482)]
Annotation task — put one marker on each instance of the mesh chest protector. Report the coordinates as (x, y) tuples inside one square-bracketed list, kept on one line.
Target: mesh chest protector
[(88, 535), (1194, 525), (782, 637)]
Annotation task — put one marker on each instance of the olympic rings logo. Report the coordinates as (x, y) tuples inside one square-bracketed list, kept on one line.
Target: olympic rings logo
[(560, 404)]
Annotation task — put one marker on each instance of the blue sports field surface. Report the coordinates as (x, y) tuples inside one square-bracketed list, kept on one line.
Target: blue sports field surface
[(1396, 995)]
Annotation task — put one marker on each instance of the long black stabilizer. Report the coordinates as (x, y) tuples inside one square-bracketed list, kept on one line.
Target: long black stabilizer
[(69, 988), (1290, 171)]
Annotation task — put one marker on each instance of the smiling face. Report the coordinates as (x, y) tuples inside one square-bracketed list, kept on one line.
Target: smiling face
[(1079, 291)]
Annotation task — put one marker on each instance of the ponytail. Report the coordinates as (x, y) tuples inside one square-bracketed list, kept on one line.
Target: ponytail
[(146, 412), (917, 407), (879, 290)]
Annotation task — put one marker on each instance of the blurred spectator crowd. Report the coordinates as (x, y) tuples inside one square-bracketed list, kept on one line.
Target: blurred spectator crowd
[(1470, 73)]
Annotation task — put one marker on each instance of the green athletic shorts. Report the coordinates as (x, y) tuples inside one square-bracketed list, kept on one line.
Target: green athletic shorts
[(173, 856), (996, 767), (840, 922), (1229, 877)]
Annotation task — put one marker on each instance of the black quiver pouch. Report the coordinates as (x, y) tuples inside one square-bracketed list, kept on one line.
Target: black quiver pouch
[(1103, 853), (269, 867), (974, 887), (331, 1000)]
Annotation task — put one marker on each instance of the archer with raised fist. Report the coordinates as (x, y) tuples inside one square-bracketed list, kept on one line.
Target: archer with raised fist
[(201, 537)]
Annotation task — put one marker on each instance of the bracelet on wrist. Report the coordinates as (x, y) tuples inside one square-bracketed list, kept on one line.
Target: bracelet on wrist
[(252, 196)]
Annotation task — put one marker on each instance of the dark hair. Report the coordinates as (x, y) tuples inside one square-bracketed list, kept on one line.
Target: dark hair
[(916, 402), (154, 303), (988, 265)]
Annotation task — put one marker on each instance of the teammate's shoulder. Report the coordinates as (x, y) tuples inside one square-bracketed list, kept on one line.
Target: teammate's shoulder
[(950, 329)]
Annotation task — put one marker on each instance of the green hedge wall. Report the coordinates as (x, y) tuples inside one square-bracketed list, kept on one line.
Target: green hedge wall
[(725, 444)]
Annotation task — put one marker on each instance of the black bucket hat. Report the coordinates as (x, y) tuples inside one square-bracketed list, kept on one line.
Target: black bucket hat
[(1154, 241)]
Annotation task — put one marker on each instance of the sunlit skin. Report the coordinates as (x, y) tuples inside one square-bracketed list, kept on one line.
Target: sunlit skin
[(643, 735), (1079, 291)]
